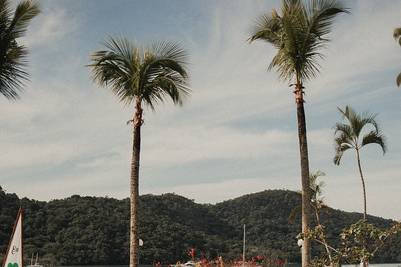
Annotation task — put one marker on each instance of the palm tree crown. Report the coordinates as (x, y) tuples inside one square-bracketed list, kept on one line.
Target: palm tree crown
[(148, 75), (13, 25), (298, 34), (349, 135)]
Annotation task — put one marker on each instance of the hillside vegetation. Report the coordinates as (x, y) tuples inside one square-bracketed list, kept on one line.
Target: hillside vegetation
[(94, 230)]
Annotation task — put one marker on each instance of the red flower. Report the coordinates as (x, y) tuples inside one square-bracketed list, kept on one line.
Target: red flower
[(191, 253)]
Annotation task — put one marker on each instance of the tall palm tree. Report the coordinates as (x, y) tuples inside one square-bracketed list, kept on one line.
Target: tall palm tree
[(299, 34), (352, 134), (140, 76), (13, 25), (397, 36)]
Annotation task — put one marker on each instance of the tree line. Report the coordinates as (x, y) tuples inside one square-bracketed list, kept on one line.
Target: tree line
[(95, 230)]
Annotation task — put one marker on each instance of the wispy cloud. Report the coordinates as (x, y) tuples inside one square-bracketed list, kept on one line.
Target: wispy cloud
[(50, 26)]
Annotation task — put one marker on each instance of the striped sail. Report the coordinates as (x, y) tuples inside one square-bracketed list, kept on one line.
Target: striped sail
[(14, 253)]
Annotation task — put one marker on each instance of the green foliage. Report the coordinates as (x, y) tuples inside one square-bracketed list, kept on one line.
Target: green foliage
[(316, 189), (321, 262), (148, 74), (349, 135), (95, 230), (361, 240), (298, 33), (13, 25)]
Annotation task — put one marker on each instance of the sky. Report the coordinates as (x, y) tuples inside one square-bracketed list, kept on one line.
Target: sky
[(237, 132)]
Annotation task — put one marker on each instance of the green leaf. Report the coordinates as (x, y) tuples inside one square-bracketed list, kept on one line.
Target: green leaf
[(150, 75)]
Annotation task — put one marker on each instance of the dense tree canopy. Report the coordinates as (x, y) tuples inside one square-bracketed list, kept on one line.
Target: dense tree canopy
[(94, 230)]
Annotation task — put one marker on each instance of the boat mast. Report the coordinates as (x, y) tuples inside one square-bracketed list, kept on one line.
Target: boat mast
[(243, 250)]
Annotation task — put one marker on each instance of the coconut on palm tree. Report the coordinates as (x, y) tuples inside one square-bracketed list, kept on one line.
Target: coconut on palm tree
[(299, 32), (356, 132), (140, 76), (13, 55)]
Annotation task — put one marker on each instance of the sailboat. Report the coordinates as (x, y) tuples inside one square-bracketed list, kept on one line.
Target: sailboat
[(14, 253)]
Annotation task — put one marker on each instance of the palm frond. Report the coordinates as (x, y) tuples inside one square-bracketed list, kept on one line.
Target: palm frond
[(361, 121), (322, 14), (171, 51), (315, 186), (121, 46), (344, 129), (348, 113), (24, 13), (165, 74), (337, 157), (150, 74), (111, 69), (12, 71), (375, 137), (5, 16), (367, 119), (13, 56), (269, 29), (298, 35), (398, 80), (354, 119), (348, 134), (172, 85), (342, 143), (357, 122)]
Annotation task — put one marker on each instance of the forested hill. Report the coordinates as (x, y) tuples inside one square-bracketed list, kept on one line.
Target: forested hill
[(94, 230)]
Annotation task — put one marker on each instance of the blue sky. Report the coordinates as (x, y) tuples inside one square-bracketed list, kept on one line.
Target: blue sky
[(235, 135)]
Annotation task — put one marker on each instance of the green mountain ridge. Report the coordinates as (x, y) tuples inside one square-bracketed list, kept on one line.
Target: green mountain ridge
[(94, 230)]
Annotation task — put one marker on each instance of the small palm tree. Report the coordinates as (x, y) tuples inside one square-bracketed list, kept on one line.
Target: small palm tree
[(397, 37), (352, 134), (318, 204), (299, 33), (140, 76), (316, 195), (13, 25), (317, 188)]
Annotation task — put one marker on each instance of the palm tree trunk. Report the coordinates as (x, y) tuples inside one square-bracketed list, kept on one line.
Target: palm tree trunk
[(134, 185), (363, 184), (365, 263), (306, 196)]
